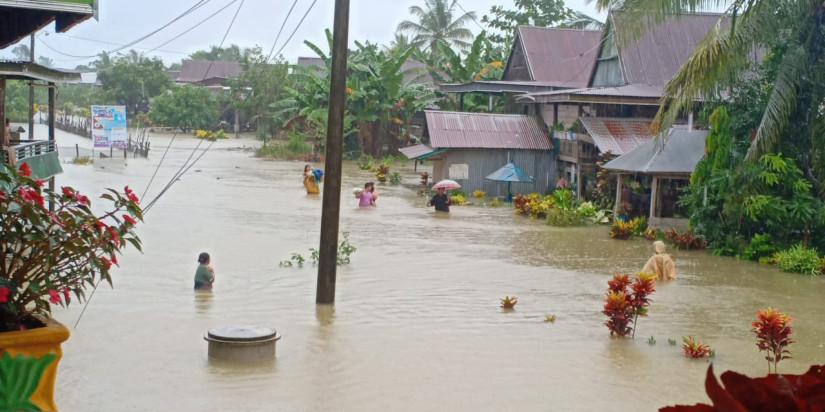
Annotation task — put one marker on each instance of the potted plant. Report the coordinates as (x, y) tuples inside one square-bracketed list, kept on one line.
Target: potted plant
[(53, 248)]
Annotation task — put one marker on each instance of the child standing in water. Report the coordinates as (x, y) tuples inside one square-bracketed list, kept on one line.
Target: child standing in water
[(365, 197), (205, 275)]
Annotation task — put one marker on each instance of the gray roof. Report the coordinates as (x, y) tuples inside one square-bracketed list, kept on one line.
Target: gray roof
[(418, 73), (681, 151)]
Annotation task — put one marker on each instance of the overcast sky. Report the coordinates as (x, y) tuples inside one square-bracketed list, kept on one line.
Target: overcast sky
[(123, 21)]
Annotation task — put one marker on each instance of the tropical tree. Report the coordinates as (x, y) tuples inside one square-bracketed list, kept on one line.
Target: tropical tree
[(103, 62), (186, 107), (436, 24), (540, 13), (260, 84), (231, 52), (134, 78), (45, 61), (793, 120), (483, 61), (21, 52)]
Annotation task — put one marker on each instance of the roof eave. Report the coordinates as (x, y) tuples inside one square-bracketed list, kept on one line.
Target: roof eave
[(33, 71)]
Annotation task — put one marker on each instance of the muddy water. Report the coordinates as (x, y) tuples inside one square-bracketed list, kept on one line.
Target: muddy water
[(416, 325)]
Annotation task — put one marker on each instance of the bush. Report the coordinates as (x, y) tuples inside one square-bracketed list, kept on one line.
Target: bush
[(479, 193), (297, 144), (685, 241), (395, 178), (496, 203), (761, 246), (799, 259), (458, 199), (564, 217)]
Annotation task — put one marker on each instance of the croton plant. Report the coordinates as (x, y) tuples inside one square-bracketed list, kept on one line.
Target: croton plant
[(50, 255)]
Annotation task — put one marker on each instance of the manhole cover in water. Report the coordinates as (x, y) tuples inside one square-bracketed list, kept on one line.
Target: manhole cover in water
[(242, 333)]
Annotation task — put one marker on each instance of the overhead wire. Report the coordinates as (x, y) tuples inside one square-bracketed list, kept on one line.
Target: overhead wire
[(193, 27)]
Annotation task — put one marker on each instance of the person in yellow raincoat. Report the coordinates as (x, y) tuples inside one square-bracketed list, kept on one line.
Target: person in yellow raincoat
[(660, 263), (311, 180)]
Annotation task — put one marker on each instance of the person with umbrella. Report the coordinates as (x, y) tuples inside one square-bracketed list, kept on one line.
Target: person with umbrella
[(441, 200)]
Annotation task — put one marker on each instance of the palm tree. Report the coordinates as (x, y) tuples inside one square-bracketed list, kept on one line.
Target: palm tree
[(792, 31), (436, 24)]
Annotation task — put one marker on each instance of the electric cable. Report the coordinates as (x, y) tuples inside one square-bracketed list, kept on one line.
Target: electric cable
[(193, 27)]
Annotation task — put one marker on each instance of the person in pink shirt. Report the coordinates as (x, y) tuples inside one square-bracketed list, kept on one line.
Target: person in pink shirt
[(366, 197)]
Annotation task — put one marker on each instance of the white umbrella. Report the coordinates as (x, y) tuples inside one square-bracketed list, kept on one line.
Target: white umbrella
[(447, 184)]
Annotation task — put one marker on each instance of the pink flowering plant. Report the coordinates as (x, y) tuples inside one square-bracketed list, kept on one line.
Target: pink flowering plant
[(47, 257)]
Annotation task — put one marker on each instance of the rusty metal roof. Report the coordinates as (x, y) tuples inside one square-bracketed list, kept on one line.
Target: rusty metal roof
[(486, 130), (658, 54), (617, 136), (562, 57)]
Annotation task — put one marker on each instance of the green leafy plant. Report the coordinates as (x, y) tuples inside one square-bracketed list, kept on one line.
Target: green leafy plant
[(83, 160), (496, 203), (671, 342), (621, 229), (366, 162), (343, 256), (695, 349), (508, 302), (759, 247), (799, 259), (50, 255), (651, 341), (560, 217), (395, 178), (19, 378), (773, 330), (550, 318)]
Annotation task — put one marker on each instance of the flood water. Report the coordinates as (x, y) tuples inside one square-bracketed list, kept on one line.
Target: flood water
[(416, 325)]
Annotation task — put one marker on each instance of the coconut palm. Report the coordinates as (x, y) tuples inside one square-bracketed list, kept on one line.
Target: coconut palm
[(436, 24), (791, 30)]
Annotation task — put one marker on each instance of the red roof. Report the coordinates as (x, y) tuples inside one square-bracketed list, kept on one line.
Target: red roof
[(485, 130), (617, 136), (564, 57)]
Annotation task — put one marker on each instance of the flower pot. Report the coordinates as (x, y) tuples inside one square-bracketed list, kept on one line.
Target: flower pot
[(36, 343)]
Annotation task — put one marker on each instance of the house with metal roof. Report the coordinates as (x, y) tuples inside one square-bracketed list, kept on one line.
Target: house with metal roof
[(541, 59), (466, 147), (652, 175), (212, 74), (623, 93)]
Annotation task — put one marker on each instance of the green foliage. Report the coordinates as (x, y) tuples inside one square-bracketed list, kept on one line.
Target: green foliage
[(395, 178), (232, 52), (759, 247), (260, 84), (496, 203), (343, 256), (19, 377), (799, 259), (436, 24), (187, 107), (558, 216), (134, 78), (621, 229), (366, 162), (539, 13), (83, 160), (651, 341)]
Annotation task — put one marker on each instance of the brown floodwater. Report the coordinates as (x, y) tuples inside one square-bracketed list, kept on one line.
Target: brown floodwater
[(416, 324)]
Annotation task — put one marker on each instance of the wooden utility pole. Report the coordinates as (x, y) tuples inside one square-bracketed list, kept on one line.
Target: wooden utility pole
[(31, 93), (328, 251)]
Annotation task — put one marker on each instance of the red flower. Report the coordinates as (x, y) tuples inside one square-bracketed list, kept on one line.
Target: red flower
[(30, 195), (106, 263), (25, 170), (114, 259), (131, 195), (39, 182), (100, 224), (65, 291), (83, 200), (54, 297), (2, 193), (67, 190), (4, 294), (113, 234), (129, 219)]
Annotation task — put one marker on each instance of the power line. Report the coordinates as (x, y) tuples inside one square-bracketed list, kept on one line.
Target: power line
[(278, 36), (296, 27), (117, 44), (474, 19), (194, 27)]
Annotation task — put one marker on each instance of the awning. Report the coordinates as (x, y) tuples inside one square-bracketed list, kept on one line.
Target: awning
[(679, 152), (19, 19), (617, 136), (33, 71), (421, 151)]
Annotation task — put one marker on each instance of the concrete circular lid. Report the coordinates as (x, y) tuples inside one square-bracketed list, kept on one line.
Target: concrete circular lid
[(242, 333)]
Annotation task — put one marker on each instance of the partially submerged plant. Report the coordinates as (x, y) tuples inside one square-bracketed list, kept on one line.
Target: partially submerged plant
[(343, 256), (479, 193), (773, 330), (651, 341), (686, 240), (624, 305), (550, 318), (508, 302), (671, 342), (695, 349)]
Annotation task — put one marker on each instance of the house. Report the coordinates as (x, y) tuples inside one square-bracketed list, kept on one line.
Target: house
[(211, 74), (622, 94), (541, 59), (651, 176), (466, 147)]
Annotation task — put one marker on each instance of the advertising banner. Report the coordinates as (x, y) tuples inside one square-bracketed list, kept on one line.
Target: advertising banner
[(109, 126)]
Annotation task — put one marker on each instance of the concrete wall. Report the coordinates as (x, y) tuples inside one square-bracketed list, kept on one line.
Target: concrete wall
[(540, 164)]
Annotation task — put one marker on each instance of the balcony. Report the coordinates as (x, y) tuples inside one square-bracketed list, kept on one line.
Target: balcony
[(41, 155)]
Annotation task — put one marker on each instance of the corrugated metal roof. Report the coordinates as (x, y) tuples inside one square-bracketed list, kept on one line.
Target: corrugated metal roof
[(617, 136), (194, 71), (658, 54), (680, 153), (418, 73), (630, 90), (485, 130), (561, 57), (413, 152)]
